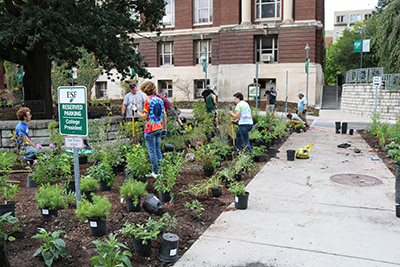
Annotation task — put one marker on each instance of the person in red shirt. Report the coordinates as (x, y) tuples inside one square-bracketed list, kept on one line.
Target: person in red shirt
[(171, 110)]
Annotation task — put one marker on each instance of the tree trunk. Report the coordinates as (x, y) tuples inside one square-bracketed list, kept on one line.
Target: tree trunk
[(37, 81), (4, 261)]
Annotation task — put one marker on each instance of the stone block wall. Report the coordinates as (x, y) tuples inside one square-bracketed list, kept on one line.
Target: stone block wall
[(39, 133), (359, 99)]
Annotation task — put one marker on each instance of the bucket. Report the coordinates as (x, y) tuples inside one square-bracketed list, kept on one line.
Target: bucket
[(242, 201), (272, 152), (291, 155), (153, 204), (168, 251), (344, 127)]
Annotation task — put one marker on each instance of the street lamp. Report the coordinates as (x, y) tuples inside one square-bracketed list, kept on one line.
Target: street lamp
[(205, 65), (307, 48), (362, 43)]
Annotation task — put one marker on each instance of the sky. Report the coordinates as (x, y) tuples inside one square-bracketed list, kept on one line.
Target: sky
[(340, 5)]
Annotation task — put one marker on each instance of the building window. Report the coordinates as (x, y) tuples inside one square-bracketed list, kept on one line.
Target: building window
[(199, 87), (101, 89), (367, 16), (266, 9), (340, 19), (203, 11), (199, 47), (266, 49), (169, 18), (165, 88), (167, 54)]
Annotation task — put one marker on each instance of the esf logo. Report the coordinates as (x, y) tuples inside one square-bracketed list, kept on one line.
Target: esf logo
[(71, 95)]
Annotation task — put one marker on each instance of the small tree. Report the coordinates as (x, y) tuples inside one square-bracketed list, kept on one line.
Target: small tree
[(185, 86)]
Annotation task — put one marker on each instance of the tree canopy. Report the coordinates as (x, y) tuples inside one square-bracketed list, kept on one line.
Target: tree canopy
[(34, 33)]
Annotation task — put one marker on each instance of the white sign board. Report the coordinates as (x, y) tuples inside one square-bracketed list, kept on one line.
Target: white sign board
[(74, 142), (366, 45), (377, 80)]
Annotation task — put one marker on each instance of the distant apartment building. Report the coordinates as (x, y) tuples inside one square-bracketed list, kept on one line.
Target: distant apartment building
[(347, 19), (233, 37)]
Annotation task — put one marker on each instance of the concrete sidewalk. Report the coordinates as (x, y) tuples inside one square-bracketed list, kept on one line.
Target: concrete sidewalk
[(297, 216)]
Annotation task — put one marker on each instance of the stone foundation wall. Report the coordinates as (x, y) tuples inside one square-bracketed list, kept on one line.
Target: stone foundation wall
[(359, 99), (39, 133)]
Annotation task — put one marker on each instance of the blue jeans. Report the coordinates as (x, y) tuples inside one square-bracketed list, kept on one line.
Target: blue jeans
[(242, 137), (30, 153), (153, 142)]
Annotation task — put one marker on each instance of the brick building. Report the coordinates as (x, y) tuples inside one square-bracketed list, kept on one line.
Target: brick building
[(233, 36)]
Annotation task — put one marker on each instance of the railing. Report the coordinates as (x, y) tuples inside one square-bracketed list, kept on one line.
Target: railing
[(391, 81)]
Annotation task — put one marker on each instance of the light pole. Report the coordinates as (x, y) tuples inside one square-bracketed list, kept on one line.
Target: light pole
[(307, 48), (362, 43), (205, 66)]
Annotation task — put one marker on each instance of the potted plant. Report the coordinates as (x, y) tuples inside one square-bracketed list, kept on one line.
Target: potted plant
[(96, 212), (8, 190), (137, 165), (298, 127), (215, 185), (206, 155), (110, 253), (258, 152), (49, 198), (103, 173), (243, 164), (89, 186), (169, 171), (142, 235), (241, 195), (132, 190)]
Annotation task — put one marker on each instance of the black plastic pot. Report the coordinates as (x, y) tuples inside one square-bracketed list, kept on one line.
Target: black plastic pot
[(83, 159), (142, 249), (30, 182), (168, 148), (398, 211), (272, 152), (291, 155), (130, 207), (298, 130), (164, 197), (88, 195), (238, 176), (351, 131), (104, 186), (337, 126), (257, 158), (69, 185), (153, 205), (168, 251), (97, 227), (7, 207), (397, 190), (241, 202), (208, 173), (120, 167), (216, 192), (344, 127), (47, 213)]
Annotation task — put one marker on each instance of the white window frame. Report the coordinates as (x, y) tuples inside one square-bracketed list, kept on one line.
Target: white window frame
[(169, 18), (166, 88), (259, 50), (198, 89), (101, 89), (166, 54), (260, 4), (341, 19), (199, 53), (197, 10)]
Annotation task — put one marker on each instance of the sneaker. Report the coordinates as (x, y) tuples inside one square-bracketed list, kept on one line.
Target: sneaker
[(154, 175)]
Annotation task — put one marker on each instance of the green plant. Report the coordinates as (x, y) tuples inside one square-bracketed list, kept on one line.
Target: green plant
[(203, 187), (53, 246), (8, 190), (137, 163), (195, 208), (89, 183), (110, 253), (103, 171), (169, 172), (49, 196), (8, 218), (243, 163), (167, 223), (206, 155), (143, 232), (55, 137), (255, 135), (258, 151), (299, 126), (132, 189), (100, 208), (237, 188)]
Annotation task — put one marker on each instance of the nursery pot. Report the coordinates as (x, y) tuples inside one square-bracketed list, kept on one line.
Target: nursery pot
[(242, 201), (69, 185), (83, 159), (298, 130), (337, 126), (46, 213), (238, 176), (351, 131), (130, 207), (30, 182), (104, 187), (164, 197), (120, 167), (8, 206), (398, 211), (397, 190), (169, 147), (88, 194), (208, 173), (344, 127), (216, 192), (290, 155), (168, 251), (272, 152), (97, 227), (153, 204), (144, 250)]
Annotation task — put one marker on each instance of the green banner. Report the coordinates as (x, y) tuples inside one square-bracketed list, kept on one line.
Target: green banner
[(19, 76), (357, 46)]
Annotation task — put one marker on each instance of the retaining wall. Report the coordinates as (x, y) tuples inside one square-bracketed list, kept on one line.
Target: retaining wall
[(39, 133), (359, 99)]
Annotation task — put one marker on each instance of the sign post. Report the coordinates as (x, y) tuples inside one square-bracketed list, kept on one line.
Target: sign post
[(376, 81), (72, 111)]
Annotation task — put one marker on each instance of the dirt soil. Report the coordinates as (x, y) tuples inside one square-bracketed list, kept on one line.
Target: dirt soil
[(78, 242)]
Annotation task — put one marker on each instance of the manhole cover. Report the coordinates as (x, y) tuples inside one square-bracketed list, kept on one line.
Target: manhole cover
[(356, 180)]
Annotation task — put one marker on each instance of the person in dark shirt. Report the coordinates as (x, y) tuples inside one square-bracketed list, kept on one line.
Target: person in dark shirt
[(171, 110)]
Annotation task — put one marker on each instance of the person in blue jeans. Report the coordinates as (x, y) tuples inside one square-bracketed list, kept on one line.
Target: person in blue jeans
[(156, 123), (22, 132), (242, 114)]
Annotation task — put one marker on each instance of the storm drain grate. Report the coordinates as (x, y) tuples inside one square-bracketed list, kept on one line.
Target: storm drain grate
[(359, 180)]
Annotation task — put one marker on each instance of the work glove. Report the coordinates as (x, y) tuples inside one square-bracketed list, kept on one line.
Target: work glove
[(304, 111), (164, 133), (133, 107)]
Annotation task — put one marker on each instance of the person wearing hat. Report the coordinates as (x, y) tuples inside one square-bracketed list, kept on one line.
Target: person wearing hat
[(302, 108), (134, 97), (270, 108)]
